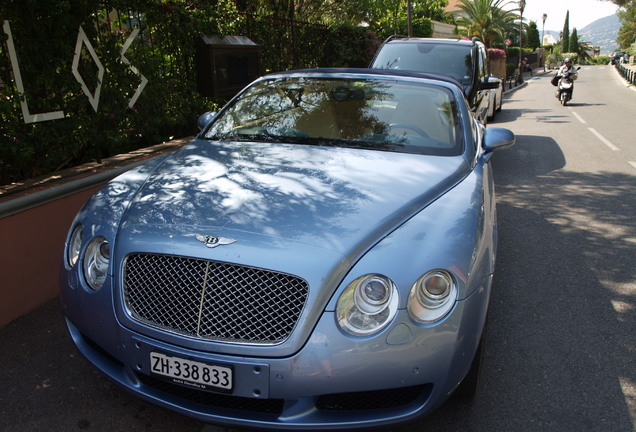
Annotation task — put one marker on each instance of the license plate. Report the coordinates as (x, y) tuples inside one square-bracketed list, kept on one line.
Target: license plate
[(192, 373)]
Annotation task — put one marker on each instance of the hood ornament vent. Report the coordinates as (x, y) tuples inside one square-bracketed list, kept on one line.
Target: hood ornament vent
[(213, 241)]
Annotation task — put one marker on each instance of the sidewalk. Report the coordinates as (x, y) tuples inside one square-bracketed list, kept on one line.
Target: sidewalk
[(631, 66), (526, 76)]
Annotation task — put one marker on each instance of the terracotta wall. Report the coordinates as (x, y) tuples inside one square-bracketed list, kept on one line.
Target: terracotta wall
[(31, 245), (498, 68), (33, 227)]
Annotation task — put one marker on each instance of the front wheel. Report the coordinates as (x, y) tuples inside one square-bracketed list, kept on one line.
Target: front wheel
[(564, 98)]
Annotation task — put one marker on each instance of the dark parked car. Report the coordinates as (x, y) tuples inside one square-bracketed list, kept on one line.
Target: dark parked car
[(320, 256), (464, 60)]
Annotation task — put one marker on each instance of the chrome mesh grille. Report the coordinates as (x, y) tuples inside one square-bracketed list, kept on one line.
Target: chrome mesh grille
[(212, 300)]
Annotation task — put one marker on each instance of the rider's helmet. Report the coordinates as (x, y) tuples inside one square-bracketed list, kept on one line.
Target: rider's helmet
[(568, 60)]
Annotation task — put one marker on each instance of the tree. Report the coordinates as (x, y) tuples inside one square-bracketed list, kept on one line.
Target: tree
[(532, 36), (486, 19), (565, 37), (574, 42), (387, 17), (627, 32), (622, 3)]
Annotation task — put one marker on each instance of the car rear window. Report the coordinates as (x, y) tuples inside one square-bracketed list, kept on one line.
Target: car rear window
[(445, 59)]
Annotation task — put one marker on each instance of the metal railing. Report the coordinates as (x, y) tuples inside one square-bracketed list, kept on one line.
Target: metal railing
[(628, 73)]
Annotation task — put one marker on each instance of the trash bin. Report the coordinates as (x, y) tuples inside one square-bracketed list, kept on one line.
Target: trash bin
[(226, 64)]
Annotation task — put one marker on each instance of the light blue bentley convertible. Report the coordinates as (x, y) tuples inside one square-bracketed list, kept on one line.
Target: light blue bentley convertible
[(320, 256)]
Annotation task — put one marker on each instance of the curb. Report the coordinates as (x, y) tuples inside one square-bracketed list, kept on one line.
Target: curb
[(35, 192), (535, 73)]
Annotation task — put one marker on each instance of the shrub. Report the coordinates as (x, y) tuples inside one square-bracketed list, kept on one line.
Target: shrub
[(45, 34)]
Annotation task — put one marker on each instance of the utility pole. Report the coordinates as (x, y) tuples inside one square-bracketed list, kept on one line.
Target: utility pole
[(409, 17), (522, 6), (545, 16)]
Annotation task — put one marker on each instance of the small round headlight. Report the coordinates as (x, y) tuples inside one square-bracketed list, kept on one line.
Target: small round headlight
[(432, 296), (435, 286), (74, 246), (367, 305), (96, 262), (372, 294)]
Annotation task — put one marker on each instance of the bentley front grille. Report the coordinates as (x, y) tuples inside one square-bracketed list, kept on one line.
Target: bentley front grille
[(212, 300)]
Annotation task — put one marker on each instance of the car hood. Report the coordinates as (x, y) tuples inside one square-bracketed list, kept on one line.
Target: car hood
[(333, 198), (308, 211)]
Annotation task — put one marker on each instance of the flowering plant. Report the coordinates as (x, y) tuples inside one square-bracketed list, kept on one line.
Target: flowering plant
[(495, 53)]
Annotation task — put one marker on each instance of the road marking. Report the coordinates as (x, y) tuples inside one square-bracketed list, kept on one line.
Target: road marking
[(632, 164), (579, 118), (603, 139)]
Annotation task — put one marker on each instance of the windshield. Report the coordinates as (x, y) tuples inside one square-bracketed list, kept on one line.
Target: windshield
[(370, 114), (445, 59)]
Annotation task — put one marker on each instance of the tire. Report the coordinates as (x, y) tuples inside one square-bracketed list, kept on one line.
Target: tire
[(493, 107), (564, 98)]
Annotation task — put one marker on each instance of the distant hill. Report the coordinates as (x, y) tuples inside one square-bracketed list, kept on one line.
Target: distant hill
[(602, 33)]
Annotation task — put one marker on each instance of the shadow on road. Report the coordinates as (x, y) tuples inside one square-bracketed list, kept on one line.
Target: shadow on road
[(561, 334)]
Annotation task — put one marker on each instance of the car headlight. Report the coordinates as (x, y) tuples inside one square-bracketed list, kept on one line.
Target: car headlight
[(74, 246), (367, 305), (432, 296), (96, 261)]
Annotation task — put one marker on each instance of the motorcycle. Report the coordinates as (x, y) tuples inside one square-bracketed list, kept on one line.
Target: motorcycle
[(565, 86)]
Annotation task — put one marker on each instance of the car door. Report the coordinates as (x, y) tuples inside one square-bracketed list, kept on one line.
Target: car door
[(482, 98)]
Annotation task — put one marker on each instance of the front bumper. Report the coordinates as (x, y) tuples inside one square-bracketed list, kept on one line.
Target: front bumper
[(335, 380)]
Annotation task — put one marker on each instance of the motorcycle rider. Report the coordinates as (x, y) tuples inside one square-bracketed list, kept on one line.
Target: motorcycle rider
[(568, 69)]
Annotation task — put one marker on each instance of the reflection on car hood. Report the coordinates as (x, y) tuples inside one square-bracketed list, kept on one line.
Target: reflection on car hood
[(333, 198)]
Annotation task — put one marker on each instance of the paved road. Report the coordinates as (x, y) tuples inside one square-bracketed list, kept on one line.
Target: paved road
[(561, 349)]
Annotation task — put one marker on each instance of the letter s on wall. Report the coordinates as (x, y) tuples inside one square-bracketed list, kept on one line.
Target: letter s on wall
[(134, 70)]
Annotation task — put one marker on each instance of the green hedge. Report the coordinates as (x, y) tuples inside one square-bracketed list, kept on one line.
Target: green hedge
[(45, 34)]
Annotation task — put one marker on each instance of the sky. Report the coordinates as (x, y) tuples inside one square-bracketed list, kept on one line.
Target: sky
[(582, 12)]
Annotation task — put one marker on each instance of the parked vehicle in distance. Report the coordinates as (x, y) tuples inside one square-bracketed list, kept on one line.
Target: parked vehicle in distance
[(319, 257), (464, 60), (617, 56), (495, 100)]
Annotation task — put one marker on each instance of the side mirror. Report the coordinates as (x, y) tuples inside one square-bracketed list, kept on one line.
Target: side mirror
[(497, 138), (205, 119), (490, 83)]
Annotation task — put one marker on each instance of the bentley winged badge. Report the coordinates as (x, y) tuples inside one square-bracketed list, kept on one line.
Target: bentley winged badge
[(213, 241)]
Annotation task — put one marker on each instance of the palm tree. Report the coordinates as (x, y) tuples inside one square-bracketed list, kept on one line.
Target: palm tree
[(486, 19)]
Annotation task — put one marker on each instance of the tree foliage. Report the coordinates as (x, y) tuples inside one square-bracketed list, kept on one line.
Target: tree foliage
[(574, 42), (532, 36), (487, 20), (565, 37), (44, 34), (386, 15), (627, 33)]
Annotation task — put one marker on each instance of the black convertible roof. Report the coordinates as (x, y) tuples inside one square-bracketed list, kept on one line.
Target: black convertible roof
[(384, 73)]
